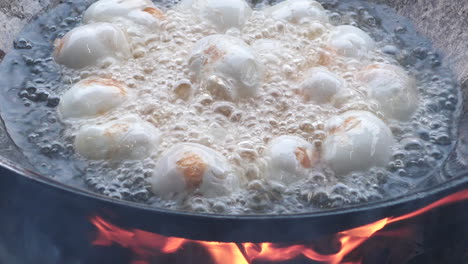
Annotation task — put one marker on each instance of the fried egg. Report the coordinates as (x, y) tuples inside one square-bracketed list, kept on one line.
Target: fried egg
[(290, 157), (223, 15), (189, 167), (350, 41), (88, 45), (142, 12), (128, 138), (392, 88), (92, 97), (298, 11), (320, 86), (226, 66), (356, 140)]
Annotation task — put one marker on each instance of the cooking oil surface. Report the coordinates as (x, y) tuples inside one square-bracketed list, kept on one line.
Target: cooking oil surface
[(247, 121)]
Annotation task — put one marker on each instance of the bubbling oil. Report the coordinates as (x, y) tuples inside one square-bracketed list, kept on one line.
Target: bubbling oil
[(159, 77)]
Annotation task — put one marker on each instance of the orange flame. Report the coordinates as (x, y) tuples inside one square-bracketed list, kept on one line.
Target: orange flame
[(146, 245)]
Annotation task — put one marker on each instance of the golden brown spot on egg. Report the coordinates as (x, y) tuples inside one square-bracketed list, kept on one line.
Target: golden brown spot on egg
[(115, 128), (101, 112), (303, 157), (213, 53), (107, 82), (373, 67), (192, 167), (349, 123), (364, 74), (58, 44), (155, 12)]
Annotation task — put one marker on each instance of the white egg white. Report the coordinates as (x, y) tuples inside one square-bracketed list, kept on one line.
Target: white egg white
[(320, 86), (350, 41), (188, 167), (124, 12), (88, 45), (392, 88), (298, 11), (356, 141), (226, 66), (290, 157), (92, 97), (128, 138), (224, 15)]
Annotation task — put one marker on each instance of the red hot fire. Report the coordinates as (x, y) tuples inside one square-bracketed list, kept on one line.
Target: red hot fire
[(146, 246)]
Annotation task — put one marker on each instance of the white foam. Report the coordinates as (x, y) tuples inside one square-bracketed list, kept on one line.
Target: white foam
[(172, 77)]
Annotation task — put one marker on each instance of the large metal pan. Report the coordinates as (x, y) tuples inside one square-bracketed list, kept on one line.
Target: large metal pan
[(444, 22)]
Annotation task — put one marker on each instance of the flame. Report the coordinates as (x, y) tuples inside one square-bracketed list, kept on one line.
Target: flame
[(146, 245)]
